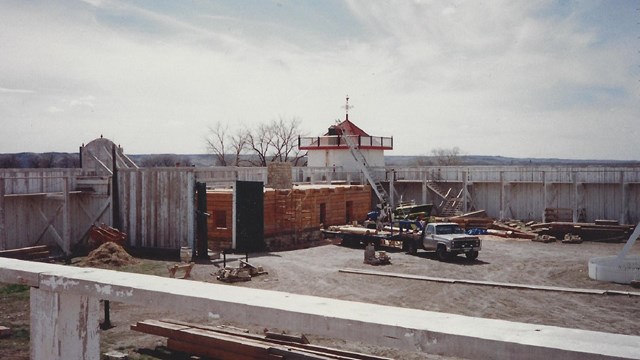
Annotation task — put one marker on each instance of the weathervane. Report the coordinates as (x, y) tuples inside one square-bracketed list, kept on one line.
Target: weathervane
[(347, 107)]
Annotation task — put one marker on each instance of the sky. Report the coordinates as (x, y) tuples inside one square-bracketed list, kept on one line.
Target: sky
[(540, 79)]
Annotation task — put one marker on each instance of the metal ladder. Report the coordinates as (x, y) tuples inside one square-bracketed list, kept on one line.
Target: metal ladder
[(361, 161)]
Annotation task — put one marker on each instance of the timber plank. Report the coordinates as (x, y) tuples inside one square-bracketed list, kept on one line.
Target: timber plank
[(199, 349), (316, 349)]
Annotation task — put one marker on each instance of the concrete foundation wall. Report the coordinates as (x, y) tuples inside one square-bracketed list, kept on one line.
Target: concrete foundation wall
[(64, 317)]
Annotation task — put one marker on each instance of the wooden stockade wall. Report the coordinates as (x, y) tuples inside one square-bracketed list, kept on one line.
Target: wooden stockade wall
[(53, 207), (292, 217), (156, 208)]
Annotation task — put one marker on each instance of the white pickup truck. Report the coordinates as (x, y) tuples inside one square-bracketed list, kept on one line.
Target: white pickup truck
[(446, 239)]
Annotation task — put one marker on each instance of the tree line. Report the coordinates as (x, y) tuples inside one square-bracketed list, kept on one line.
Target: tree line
[(274, 141)]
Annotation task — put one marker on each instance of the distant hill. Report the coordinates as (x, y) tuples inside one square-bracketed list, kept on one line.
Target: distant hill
[(479, 160), (70, 160)]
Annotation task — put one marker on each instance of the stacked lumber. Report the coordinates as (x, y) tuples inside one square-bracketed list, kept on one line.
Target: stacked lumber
[(511, 231), (602, 231), (223, 343), (558, 214), (473, 220), (290, 211), (32, 253)]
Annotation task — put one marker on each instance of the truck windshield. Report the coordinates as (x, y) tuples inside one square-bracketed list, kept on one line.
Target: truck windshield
[(448, 229)]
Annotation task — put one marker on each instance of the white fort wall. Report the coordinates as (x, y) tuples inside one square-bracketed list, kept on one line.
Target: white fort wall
[(65, 312), (55, 207)]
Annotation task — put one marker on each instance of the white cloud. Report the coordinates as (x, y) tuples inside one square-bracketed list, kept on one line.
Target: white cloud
[(487, 77)]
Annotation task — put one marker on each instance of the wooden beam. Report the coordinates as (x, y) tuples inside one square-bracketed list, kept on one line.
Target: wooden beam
[(66, 219), (3, 224), (49, 225)]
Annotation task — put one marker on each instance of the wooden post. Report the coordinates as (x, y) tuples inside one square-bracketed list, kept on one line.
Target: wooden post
[(191, 212), (3, 231), (66, 219), (424, 186), (502, 195), (115, 193), (202, 241), (544, 193), (65, 326), (574, 180), (465, 192), (623, 199)]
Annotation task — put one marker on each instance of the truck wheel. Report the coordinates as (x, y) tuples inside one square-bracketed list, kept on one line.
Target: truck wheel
[(472, 255), (441, 253), (412, 249)]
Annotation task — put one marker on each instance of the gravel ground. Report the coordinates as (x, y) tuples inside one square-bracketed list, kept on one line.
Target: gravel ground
[(315, 271)]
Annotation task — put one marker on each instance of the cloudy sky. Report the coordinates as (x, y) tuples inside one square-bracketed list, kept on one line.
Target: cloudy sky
[(556, 79)]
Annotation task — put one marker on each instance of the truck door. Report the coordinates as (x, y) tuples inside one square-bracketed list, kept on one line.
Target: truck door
[(428, 241)]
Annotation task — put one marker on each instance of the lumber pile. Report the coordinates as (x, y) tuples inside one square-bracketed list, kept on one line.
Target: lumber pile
[(558, 214), (224, 343), (511, 230), (473, 220), (601, 230), (32, 253)]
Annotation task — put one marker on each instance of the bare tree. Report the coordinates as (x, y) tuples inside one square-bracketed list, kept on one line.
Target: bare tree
[(217, 142), (285, 140), (259, 141), (275, 141), (267, 142), (444, 157), (239, 142), (223, 144)]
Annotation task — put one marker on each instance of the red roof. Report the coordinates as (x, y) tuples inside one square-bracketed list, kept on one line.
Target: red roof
[(347, 127)]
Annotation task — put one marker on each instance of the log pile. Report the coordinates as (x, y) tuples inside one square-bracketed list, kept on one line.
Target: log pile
[(566, 232), (224, 343)]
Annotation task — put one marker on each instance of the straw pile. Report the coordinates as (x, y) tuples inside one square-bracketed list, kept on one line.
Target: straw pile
[(108, 254)]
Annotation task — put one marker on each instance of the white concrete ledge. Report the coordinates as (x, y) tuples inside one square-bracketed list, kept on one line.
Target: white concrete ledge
[(409, 329)]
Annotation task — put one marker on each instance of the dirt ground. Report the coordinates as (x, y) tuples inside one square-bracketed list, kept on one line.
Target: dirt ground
[(314, 271)]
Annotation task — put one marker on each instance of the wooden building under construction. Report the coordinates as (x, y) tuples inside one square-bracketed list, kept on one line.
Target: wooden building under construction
[(292, 217)]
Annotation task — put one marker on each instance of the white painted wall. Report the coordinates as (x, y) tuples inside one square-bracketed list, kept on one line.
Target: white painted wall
[(342, 157)]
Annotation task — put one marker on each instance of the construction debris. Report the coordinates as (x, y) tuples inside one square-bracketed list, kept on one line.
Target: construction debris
[(371, 258), (222, 343), (603, 230), (99, 235), (115, 355), (572, 239), (544, 239), (242, 273)]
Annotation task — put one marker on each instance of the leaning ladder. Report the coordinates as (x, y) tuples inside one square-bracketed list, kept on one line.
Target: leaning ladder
[(361, 161)]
